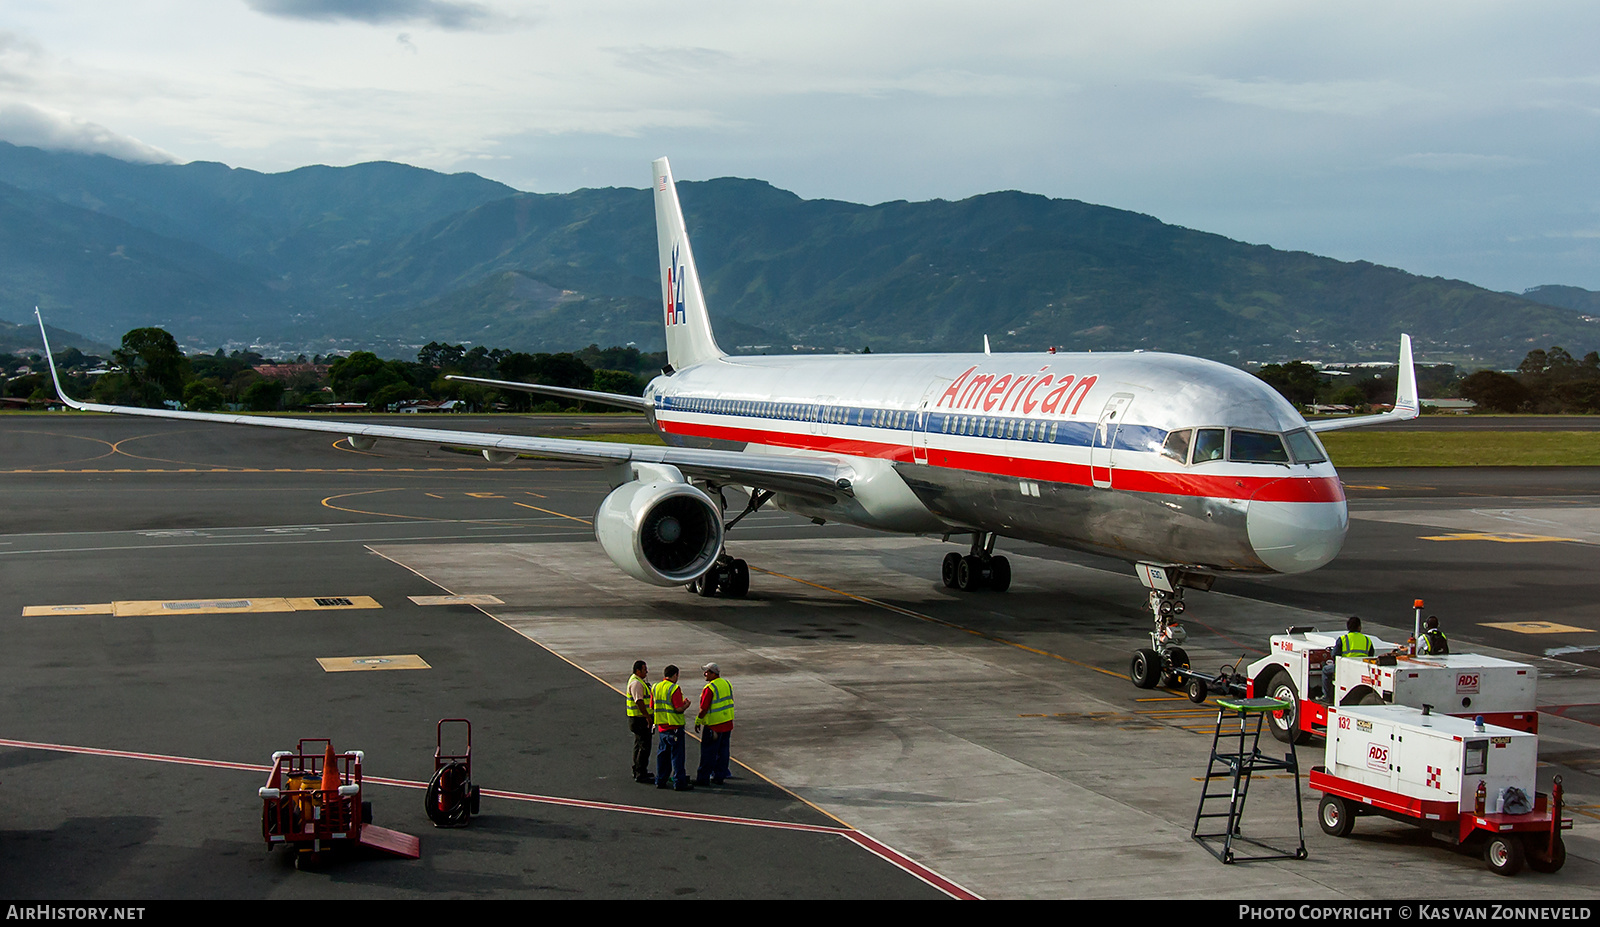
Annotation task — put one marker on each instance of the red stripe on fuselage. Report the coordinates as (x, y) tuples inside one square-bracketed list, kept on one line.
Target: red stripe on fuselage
[(1260, 488), (833, 444)]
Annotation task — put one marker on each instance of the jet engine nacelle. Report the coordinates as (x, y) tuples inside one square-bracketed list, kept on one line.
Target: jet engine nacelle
[(664, 533)]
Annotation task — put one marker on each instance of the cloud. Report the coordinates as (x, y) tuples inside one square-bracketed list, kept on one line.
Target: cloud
[(1459, 161), (1333, 97), (25, 124), (446, 14), (671, 62), (18, 58)]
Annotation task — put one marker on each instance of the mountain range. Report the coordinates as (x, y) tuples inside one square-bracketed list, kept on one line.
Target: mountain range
[(387, 257)]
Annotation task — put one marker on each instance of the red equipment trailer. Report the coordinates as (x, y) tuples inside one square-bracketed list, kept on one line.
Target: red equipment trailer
[(312, 802)]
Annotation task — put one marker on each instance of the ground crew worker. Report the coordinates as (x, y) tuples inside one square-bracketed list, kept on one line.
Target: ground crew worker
[(669, 704), (1433, 642), (639, 709), (1352, 643), (716, 718)]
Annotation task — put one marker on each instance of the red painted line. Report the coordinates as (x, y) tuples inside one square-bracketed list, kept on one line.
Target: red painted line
[(131, 755), (882, 851), (1259, 488), (888, 854), (666, 812)]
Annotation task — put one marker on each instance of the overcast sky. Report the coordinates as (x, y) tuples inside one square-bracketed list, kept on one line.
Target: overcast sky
[(1455, 138)]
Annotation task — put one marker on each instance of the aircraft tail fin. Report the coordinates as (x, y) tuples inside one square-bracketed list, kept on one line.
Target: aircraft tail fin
[(689, 337)]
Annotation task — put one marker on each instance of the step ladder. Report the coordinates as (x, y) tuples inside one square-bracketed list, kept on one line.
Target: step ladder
[(1235, 757)]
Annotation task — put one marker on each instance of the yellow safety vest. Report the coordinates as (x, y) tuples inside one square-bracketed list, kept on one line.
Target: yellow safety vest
[(662, 699), (633, 710), (1355, 644), (721, 710)]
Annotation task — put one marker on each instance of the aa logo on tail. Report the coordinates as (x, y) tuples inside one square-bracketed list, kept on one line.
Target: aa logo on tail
[(675, 311)]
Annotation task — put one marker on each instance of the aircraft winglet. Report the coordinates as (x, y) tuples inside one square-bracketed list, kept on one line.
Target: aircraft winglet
[(51, 360), (1406, 404)]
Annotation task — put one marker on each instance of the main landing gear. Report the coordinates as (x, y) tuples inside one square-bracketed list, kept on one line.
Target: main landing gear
[(730, 576), (1164, 663), (980, 569)]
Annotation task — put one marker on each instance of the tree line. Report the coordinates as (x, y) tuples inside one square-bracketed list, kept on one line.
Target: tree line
[(1546, 382), (149, 369), (1550, 381)]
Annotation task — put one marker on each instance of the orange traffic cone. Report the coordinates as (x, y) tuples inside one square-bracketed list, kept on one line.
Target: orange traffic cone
[(330, 771)]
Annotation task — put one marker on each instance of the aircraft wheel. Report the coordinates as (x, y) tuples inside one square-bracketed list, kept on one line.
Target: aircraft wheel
[(1285, 724), (738, 580), (1537, 859), (1336, 815), (1504, 854), (949, 568), (1145, 670), (708, 583), (1173, 667), (999, 574), (969, 575)]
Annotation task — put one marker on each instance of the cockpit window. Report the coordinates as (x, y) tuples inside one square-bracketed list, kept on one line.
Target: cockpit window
[(1177, 446), (1208, 444), (1257, 447), (1305, 447)]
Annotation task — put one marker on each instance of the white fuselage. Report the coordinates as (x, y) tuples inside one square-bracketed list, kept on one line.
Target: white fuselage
[(1144, 456)]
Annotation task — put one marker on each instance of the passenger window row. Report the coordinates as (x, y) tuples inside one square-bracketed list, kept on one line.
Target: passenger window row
[(975, 425), (794, 411), (983, 426)]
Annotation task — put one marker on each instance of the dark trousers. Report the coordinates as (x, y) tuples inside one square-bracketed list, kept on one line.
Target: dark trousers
[(642, 731), (713, 755)]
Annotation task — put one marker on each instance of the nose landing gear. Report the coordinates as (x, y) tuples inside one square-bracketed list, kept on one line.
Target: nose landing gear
[(1165, 663)]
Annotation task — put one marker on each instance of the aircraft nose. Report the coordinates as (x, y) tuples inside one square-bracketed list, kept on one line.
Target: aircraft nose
[(1296, 537)]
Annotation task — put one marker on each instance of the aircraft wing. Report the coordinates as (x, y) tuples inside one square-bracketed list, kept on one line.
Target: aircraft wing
[(824, 478), (636, 403), (1406, 406)]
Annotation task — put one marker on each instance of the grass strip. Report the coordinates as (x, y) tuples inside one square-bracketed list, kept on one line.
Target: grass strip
[(1377, 448)]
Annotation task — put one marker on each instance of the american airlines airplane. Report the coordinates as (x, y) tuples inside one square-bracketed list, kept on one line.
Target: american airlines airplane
[(1184, 467)]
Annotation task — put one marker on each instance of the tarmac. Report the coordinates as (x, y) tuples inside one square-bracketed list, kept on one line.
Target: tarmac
[(895, 739)]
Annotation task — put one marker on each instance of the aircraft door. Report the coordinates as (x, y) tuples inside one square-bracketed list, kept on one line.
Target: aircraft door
[(919, 427), (820, 414), (1102, 450)]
